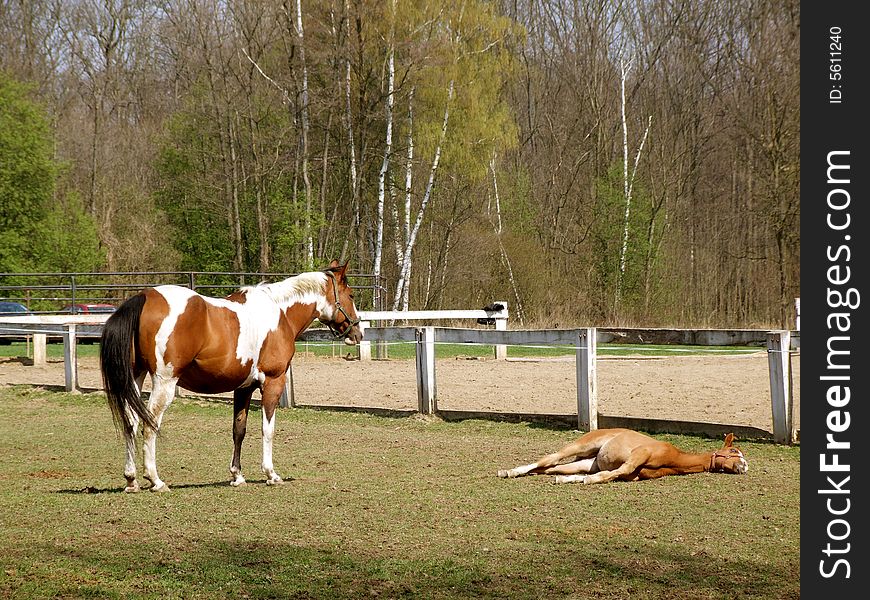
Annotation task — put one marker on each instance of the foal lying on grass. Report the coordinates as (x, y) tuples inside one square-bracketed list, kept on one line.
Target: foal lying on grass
[(605, 455)]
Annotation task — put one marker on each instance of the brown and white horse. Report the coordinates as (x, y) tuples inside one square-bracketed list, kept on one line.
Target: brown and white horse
[(605, 455), (239, 343)]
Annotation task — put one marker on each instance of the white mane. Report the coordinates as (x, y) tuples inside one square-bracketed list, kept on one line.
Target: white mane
[(304, 288)]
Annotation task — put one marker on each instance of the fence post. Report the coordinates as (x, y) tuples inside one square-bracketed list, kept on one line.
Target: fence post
[(364, 347), (501, 325), (39, 355), (70, 360), (288, 399), (425, 355), (587, 379), (779, 364)]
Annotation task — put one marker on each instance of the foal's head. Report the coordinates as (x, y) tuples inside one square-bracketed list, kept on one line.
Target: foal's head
[(729, 458), (341, 316)]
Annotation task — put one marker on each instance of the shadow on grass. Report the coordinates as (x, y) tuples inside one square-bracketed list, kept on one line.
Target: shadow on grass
[(194, 568), (120, 490)]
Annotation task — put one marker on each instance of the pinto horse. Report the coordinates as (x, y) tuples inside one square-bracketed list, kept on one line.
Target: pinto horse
[(239, 343), (606, 455)]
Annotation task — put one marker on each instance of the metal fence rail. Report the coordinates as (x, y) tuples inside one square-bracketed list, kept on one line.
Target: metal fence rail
[(48, 293)]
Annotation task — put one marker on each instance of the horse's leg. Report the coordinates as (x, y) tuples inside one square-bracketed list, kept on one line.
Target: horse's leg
[(638, 457), (271, 390), (162, 394), (572, 450), (585, 465), (130, 444), (241, 403)]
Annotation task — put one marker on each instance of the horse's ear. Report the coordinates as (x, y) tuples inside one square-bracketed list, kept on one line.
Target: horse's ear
[(333, 264), (729, 439)]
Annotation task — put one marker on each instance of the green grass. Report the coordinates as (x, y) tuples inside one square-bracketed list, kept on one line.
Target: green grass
[(377, 507)]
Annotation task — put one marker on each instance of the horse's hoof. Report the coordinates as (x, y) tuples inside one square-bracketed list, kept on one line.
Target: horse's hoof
[(238, 482), (132, 489), (569, 479), (161, 488), (503, 473), (275, 480)]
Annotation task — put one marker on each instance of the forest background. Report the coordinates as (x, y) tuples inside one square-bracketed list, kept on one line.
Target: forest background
[(604, 162)]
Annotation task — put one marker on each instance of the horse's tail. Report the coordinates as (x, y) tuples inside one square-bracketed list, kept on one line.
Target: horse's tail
[(116, 352)]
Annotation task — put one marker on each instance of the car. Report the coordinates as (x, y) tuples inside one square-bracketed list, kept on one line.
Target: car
[(89, 309), (12, 309)]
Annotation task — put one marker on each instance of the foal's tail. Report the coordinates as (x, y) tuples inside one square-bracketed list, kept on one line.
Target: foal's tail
[(116, 353)]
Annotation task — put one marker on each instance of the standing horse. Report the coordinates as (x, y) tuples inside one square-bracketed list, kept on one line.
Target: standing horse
[(606, 455), (239, 343)]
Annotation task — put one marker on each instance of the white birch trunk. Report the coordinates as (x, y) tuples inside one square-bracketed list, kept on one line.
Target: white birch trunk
[(309, 236), (504, 255), (385, 165), (430, 185), (404, 235), (627, 177), (354, 180), (624, 69)]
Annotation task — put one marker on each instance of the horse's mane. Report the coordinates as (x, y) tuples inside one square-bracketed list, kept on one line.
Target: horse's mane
[(293, 289)]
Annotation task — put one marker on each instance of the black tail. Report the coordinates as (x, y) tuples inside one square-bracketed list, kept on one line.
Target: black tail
[(116, 352)]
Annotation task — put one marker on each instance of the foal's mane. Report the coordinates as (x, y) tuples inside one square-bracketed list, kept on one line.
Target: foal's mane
[(291, 290)]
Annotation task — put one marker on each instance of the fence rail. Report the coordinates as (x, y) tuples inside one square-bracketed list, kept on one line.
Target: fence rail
[(584, 341), (48, 293)]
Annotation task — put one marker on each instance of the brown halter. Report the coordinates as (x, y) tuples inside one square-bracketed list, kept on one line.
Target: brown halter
[(350, 322), (717, 454)]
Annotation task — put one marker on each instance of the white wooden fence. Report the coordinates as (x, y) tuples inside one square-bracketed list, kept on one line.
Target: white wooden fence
[(584, 340), (498, 317)]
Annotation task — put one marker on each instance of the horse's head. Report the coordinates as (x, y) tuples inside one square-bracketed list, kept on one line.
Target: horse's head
[(340, 313), (729, 458)]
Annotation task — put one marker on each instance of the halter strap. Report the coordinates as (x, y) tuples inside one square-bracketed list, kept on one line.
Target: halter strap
[(713, 459), (351, 322)]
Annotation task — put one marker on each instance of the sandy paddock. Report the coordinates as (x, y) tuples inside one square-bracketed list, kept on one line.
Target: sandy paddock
[(732, 390)]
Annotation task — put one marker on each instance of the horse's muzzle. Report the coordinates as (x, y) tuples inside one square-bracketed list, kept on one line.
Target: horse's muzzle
[(354, 336)]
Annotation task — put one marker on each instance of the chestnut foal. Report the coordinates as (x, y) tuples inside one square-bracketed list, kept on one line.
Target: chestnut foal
[(605, 455)]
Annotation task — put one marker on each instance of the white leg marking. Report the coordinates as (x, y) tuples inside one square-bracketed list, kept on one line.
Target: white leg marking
[(268, 433), (130, 444), (162, 394), (237, 478), (569, 479), (130, 461), (517, 471)]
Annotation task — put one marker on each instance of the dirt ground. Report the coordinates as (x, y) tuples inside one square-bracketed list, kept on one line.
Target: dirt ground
[(733, 390)]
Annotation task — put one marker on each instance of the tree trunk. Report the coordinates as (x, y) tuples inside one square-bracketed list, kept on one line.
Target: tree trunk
[(385, 164), (405, 273)]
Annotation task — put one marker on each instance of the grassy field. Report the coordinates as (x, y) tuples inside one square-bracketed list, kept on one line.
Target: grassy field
[(377, 508)]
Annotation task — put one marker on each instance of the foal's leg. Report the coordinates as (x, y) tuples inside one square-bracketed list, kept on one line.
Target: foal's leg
[(130, 443), (584, 465), (271, 390), (637, 458), (573, 450), (162, 394), (241, 403)]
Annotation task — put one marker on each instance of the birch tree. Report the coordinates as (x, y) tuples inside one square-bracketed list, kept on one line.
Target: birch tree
[(627, 176), (505, 259), (304, 133), (388, 150), (405, 271)]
